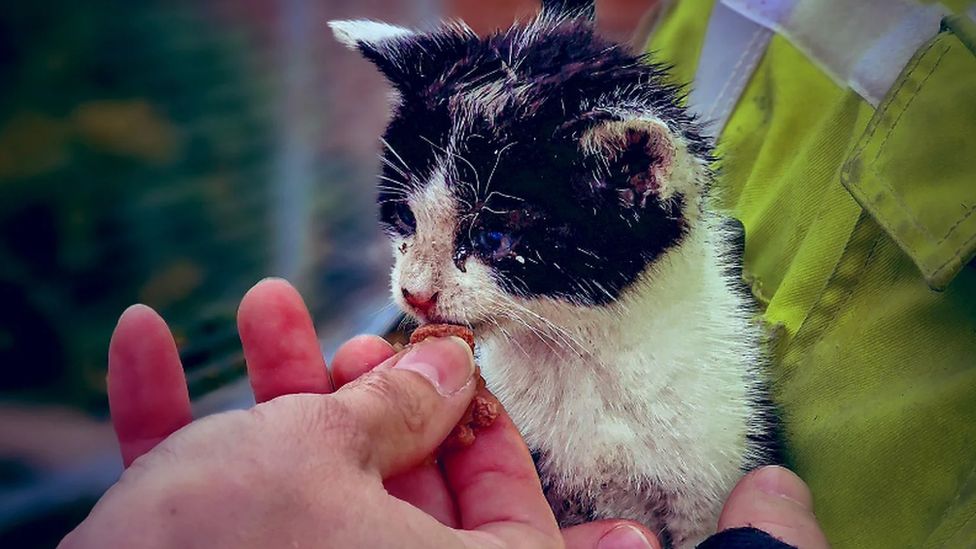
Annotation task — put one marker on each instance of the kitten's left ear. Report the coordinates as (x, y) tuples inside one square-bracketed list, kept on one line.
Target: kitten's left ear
[(640, 160), (357, 34), (386, 46)]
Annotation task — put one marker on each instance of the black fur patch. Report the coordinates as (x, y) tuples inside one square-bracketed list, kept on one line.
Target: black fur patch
[(770, 441), (548, 218)]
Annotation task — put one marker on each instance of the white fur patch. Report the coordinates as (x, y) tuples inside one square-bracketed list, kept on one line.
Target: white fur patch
[(352, 33), (425, 261), (657, 388)]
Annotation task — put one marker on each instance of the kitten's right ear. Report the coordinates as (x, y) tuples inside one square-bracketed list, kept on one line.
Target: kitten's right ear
[(370, 34)]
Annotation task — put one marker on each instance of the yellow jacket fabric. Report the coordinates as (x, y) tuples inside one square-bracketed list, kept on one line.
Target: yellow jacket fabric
[(860, 233)]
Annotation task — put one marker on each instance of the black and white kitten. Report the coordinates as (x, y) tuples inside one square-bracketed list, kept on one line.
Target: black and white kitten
[(546, 188)]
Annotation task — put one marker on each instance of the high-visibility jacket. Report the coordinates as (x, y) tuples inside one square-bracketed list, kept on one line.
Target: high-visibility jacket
[(854, 174)]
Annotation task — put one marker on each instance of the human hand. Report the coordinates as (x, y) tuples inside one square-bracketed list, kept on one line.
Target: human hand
[(301, 468), (149, 403)]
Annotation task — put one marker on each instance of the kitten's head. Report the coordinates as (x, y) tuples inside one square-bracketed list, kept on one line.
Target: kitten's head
[(539, 163)]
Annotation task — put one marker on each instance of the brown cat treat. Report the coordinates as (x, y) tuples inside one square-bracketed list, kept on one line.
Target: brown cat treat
[(442, 330), (483, 409)]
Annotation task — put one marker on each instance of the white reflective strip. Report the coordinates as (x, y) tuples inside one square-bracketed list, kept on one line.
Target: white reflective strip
[(861, 44), (878, 68), (772, 14), (732, 50)]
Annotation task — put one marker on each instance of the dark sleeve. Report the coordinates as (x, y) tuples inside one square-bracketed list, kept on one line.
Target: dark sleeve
[(743, 538)]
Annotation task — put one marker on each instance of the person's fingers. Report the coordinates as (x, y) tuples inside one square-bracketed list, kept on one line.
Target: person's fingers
[(395, 416), (358, 356), (609, 534), (280, 346), (497, 489), (147, 392), (776, 501)]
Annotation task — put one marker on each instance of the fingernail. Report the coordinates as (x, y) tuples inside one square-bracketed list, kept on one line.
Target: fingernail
[(781, 482), (446, 362), (624, 537)]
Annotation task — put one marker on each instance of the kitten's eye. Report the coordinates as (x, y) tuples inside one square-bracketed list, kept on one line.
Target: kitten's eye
[(403, 218), (495, 244)]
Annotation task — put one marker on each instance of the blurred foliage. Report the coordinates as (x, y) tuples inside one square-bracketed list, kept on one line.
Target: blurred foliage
[(136, 164)]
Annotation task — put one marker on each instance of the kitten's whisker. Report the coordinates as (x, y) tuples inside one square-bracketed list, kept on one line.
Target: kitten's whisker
[(493, 193), (391, 201), (590, 253), (398, 195), (394, 196), (386, 162), (498, 159), (399, 184), (564, 335), (392, 150), (380, 310), (508, 336), (395, 191), (463, 200), (547, 332), (542, 336), (404, 323), (458, 156)]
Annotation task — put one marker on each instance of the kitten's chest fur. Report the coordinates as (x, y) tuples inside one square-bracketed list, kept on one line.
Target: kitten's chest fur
[(642, 409)]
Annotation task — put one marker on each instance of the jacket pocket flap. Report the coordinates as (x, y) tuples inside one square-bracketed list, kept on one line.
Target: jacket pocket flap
[(914, 169)]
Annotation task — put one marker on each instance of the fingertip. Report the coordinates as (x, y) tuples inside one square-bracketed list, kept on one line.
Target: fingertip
[(265, 289), (138, 310), (358, 356), (139, 330), (609, 534), (281, 348), (147, 392), (135, 317), (775, 500), (627, 536), (781, 482)]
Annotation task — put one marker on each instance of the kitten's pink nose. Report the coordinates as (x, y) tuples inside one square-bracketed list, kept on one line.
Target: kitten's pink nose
[(423, 302)]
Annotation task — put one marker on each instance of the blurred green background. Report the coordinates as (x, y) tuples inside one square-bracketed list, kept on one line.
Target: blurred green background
[(170, 153)]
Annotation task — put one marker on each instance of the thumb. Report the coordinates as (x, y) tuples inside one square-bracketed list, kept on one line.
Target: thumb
[(609, 534), (776, 501), (397, 414)]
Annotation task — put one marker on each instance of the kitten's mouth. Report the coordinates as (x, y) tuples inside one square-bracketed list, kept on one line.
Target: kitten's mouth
[(433, 318)]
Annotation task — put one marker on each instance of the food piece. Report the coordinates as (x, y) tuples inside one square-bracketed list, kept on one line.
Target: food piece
[(483, 410), (442, 330)]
